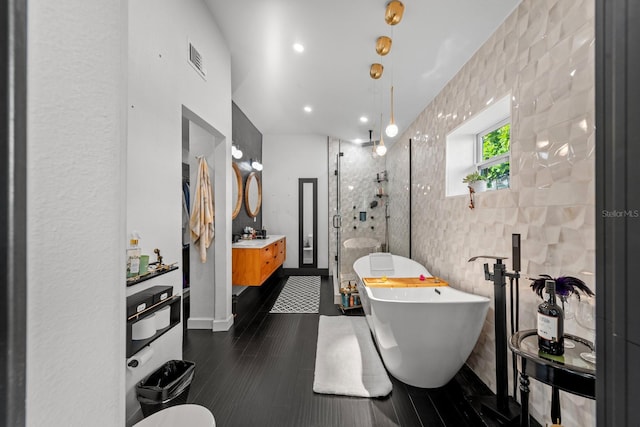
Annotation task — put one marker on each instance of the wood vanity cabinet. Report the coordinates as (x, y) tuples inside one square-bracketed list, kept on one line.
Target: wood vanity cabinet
[(251, 266)]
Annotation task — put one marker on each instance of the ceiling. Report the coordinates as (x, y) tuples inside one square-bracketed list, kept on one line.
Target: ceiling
[(271, 83)]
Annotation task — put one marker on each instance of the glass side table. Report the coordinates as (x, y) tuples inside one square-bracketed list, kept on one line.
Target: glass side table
[(568, 372)]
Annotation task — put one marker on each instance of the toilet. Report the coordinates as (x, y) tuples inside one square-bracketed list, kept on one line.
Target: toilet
[(180, 415)]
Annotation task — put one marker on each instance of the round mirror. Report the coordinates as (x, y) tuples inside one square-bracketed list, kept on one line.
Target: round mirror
[(253, 195), (236, 192)]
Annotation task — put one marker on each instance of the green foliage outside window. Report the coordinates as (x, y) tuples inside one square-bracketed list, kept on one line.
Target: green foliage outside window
[(493, 144)]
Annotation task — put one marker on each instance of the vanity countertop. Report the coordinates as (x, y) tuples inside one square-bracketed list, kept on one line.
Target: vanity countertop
[(257, 243)]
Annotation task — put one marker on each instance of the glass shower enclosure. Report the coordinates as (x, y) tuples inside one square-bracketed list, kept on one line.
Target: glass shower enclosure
[(359, 207)]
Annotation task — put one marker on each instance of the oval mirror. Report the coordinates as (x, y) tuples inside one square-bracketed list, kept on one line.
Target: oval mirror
[(253, 195), (236, 194)]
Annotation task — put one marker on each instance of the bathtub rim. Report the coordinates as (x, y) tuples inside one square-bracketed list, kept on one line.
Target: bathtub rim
[(479, 299), (423, 270)]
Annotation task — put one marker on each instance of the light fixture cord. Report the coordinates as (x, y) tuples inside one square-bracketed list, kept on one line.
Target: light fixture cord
[(392, 55), (373, 105), (392, 68), (392, 121), (373, 147)]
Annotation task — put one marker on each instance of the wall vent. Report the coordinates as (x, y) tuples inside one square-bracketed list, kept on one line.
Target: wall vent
[(196, 60)]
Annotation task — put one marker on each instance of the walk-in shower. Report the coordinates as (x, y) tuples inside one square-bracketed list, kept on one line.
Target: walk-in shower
[(359, 206)]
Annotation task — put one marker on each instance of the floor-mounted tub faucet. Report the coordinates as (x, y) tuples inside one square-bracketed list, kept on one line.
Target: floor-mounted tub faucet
[(501, 408)]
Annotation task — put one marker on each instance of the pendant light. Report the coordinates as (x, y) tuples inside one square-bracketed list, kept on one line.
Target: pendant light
[(381, 150), (375, 72), (393, 13), (383, 45), (373, 144), (392, 128)]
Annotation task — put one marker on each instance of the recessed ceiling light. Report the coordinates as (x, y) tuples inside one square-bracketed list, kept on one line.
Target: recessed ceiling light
[(357, 141), (298, 47), (308, 109), (363, 119)]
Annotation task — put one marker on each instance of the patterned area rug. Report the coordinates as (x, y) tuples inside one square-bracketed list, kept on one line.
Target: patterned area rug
[(301, 294)]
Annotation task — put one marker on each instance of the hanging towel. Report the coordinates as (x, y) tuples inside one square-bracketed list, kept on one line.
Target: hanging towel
[(202, 213)]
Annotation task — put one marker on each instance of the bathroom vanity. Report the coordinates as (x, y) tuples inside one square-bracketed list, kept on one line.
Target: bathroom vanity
[(253, 261)]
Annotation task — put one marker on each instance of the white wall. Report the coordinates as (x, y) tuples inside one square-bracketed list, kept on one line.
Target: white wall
[(201, 275), (162, 88), (75, 218), (287, 158)]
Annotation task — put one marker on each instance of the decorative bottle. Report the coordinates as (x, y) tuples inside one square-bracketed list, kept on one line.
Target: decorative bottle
[(550, 323), (133, 255)]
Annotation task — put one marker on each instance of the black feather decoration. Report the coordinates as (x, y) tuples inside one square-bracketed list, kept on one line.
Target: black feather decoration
[(565, 286)]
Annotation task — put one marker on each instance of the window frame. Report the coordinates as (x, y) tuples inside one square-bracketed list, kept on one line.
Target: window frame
[(495, 160)]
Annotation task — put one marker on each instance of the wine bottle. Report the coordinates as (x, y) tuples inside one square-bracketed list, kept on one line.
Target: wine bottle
[(550, 323)]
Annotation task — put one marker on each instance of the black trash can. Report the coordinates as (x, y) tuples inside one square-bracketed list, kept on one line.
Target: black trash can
[(167, 386)]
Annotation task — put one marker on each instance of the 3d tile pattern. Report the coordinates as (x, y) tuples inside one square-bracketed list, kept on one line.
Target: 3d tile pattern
[(399, 218), (358, 188), (543, 57)]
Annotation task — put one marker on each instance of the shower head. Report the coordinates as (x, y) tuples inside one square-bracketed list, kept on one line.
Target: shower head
[(373, 204)]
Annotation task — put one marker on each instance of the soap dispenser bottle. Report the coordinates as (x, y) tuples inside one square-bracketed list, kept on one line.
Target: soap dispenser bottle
[(133, 255)]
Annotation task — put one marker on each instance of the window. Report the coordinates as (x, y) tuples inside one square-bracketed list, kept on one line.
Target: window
[(492, 154), (480, 144)]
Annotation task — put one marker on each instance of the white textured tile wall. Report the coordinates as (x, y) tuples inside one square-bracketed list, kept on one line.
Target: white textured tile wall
[(543, 56), (399, 218)]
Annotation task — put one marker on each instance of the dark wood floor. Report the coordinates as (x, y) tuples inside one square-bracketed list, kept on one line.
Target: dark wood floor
[(260, 373)]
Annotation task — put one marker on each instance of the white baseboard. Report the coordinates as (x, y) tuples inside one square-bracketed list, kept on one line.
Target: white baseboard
[(200, 323), (223, 325)]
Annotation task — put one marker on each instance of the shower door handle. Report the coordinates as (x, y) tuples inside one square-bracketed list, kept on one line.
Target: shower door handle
[(337, 221)]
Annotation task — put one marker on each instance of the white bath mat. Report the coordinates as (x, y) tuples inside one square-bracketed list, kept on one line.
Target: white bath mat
[(347, 362), (301, 294)]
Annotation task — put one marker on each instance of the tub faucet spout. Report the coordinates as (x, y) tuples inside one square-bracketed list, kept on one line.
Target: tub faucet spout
[(498, 267)]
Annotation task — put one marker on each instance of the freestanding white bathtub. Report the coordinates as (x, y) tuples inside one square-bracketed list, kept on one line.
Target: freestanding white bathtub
[(424, 334)]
